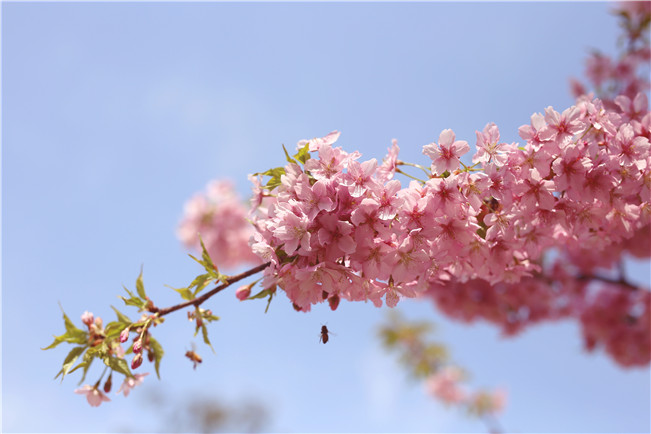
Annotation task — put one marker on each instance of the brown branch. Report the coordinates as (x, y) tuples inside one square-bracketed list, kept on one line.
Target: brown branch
[(199, 300), (621, 281)]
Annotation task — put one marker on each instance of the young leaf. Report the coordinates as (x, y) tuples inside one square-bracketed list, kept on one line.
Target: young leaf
[(204, 332), (133, 300), (262, 294), (158, 353), (200, 282), (186, 294), (211, 318), (118, 365), (122, 317), (289, 159), (85, 364), (271, 296), (73, 335), (70, 359), (211, 268), (275, 175), (303, 154), (113, 329), (140, 286)]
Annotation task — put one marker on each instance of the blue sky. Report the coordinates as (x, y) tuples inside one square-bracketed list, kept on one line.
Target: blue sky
[(114, 114)]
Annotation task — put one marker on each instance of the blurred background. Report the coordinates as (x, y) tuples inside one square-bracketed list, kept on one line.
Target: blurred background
[(114, 114)]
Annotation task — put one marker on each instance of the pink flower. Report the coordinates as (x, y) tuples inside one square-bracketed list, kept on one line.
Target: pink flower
[(488, 146), (445, 385), (359, 177), (599, 68), (220, 217), (130, 383), (317, 143), (388, 167), (94, 396), (564, 125), (293, 230), (484, 402), (445, 156)]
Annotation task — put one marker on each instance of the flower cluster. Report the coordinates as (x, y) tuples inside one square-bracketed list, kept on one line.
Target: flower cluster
[(220, 218), (445, 384), (474, 232), (341, 227), (96, 337), (628, 74)]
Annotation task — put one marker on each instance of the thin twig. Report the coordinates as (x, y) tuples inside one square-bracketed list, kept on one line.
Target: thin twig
[(199, 300)]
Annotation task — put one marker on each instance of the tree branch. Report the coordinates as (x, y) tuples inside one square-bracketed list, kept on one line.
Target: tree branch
[(199, 300), (621, 281)]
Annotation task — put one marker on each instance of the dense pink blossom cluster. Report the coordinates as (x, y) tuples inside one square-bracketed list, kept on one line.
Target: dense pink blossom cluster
[(341, 227), (474, 234), (618, 320), (220, 218)]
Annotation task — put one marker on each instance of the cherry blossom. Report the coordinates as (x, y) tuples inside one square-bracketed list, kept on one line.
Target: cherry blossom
[(131, 382), (94, 396)]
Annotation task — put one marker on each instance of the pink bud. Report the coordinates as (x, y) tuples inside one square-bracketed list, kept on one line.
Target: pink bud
[(334, 302), (108, 384), (243, 292), (124, 335), (137, 361), (137, 346), (87, 318)]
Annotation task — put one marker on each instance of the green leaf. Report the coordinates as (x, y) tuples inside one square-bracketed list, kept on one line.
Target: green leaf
[(122, 317), (73, 335), (289, 159), (211, 268), (85, 364), (200, 282), (158, 353), (275, 175), (140, 286), (70, 359), (100, 350), (262, 294), (204, 332), (118, 365), (211, 318), (133, 300), (113, 329), (271, 296), (303, 154), (186, 294)]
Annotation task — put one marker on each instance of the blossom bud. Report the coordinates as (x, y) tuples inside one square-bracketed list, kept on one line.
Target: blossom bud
[(150, 356), (108, 384), (137, 361), (87, 318), (137, 346), (243, 292), (334, 302), (124, 335)]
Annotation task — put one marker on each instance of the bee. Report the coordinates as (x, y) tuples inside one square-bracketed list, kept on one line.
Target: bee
[(324, 334), (194, 357)]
